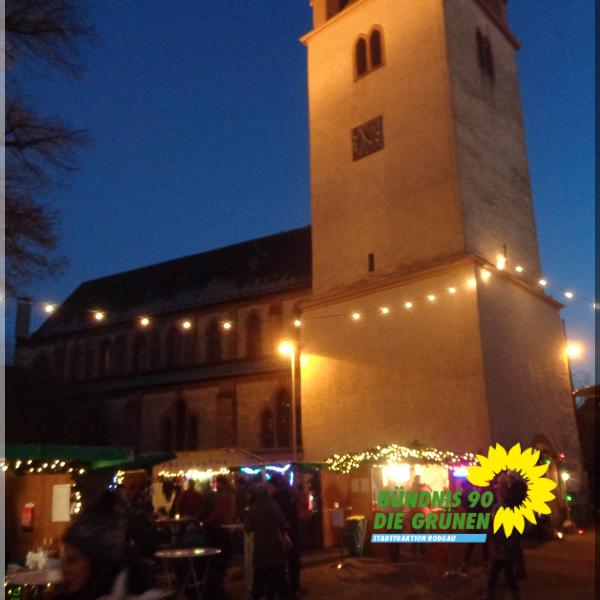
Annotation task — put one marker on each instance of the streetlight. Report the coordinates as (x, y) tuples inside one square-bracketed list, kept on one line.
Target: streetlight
[(288, 348)]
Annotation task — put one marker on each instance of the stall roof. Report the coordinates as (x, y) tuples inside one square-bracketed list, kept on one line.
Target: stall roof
[(95, 456), (212, 459)]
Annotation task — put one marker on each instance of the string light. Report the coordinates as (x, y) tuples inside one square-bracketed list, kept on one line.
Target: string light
[(384, 310), (395, 453), (186, 324), (408, 305), (227, 325), (431, 297), (543, 282), (519, 269), (485, 274), (501, 262), (569, 295), (452, 290), (356, 316), (297, 323), (144, 321), (99, 315), (472, 282)]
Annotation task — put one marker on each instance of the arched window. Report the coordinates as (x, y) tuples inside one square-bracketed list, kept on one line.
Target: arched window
[(166, 432), (213, 342), (154, 352), (267, 429), (192, 440), (120, 355), (138, 353), (42, 367), (376, 48), (105, 359), (180, 420), (89, 360), (253, 335), (173, 348), (74, 362), (361, 57), (484, 54), (283, 414)]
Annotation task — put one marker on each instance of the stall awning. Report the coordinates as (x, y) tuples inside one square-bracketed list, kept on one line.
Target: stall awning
[(94, 456), (211, 460)]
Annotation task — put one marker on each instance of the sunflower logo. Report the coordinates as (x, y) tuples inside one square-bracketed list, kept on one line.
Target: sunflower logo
[(522, 489)]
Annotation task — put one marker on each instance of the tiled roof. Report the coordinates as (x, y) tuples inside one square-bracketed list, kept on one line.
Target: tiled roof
[(270, 264)]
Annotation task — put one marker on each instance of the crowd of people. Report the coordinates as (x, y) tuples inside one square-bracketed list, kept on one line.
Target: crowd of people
[(109, 548)]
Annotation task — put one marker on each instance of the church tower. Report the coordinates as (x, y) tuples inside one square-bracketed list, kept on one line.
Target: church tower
[(419, 190)]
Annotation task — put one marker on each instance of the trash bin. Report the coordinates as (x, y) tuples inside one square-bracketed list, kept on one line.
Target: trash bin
[(355, 529)]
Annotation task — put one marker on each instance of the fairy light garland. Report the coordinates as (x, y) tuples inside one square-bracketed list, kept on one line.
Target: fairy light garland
[(344, 463), (100, 316)]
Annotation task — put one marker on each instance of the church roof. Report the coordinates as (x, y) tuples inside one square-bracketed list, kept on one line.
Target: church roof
[(271, 264)]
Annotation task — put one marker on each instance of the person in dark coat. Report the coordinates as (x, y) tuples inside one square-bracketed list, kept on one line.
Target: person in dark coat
[(287, 499), (267, 523)]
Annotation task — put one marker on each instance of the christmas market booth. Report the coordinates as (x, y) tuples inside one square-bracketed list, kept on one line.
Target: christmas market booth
[(46, 485), (242, 468), (351, 483)]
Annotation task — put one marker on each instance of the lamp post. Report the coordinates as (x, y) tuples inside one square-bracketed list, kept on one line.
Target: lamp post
[(289, 348)]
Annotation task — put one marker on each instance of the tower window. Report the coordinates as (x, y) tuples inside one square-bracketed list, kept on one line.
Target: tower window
[(484, 54), (369, 52), (376, 57), (361, 57), (371, 262)]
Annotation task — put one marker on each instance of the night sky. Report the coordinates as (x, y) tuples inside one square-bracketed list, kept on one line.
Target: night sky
[(198, 112)]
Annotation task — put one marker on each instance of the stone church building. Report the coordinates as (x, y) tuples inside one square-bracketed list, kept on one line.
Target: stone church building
[(414, 297)]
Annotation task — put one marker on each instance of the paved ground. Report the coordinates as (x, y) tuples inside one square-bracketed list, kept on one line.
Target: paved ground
[(556, 570)]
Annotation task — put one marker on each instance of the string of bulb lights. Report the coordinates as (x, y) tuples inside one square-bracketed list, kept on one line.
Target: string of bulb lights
[(485, 273)]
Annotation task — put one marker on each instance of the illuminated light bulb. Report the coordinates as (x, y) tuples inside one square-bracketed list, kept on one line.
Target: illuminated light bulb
[(81, 471), (186, 324), (356, 316), (519, 269), (297, 323), (286, 348), (472, 282), (384, 310), (29, 461), (227, 325), (62, 464), (565, 476), (5, 468), (580, 531), (569, 295), (574, 350), (452, 290), (596, 306), (432, 298), (543, 282), (408, 305), (559, 535), (99, 315), (500, 262), (485, 274), (144, 321), (49, 308)]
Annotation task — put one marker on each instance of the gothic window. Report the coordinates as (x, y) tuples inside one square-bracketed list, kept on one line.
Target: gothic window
[(361, 57), (173, 348), (138, 353), (120, 355), (253, 335), (154, 352), (213, 342), (484, 54), (283, 414), (267, 429), (166, 432), (89, 360), (74, 362), (104, 359), (376, 48)]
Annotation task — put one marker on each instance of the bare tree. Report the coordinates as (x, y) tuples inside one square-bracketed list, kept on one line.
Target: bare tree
[(39, 150)]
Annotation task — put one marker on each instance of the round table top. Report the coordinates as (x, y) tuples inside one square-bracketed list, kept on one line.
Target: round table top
[(37, 578), (187, 553)]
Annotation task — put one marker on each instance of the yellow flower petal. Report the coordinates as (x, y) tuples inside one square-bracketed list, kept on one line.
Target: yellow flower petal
[(519, 521), (528, 513), (498, 518), (508, 521)]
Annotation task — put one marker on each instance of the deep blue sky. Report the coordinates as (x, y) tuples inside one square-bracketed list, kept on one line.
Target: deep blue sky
[(198, 112)]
